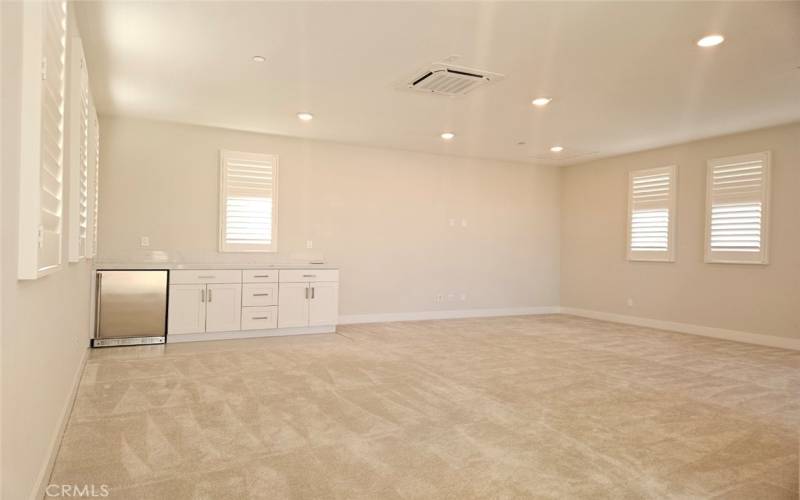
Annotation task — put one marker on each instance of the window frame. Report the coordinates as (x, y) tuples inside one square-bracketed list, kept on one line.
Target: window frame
[(668, 255), (242, 247), (722, 257)]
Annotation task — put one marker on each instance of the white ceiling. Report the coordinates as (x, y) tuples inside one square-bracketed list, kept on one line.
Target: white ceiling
[(624, 76)]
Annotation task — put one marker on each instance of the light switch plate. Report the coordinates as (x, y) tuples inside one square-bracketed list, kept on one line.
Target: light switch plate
[(145, 241)]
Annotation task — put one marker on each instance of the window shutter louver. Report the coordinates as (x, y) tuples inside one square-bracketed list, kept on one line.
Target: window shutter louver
[(95, 151), (41, 180), (651, 207), (79, 173), (52, 171), (247, 202), (737, 204)]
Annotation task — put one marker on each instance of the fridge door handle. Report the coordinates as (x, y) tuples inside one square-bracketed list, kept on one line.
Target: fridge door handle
[(97, 291)]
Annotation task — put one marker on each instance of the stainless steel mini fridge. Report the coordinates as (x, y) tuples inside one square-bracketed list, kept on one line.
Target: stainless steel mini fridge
[(130, 307)]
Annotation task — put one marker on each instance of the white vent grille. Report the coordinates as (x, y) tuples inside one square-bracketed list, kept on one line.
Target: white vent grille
[(443, 79)]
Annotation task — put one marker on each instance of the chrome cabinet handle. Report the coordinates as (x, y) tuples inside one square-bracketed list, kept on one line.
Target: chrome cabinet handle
[(203, 295), (261, 295), (261, 276), (306, 292), (312, 292), (209, 295), (261, 317), (206, 277), (309, 276)]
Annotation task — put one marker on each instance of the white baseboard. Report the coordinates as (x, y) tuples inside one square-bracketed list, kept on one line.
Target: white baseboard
[(248, 334), (705, 331), (55, 441), (350, 319)]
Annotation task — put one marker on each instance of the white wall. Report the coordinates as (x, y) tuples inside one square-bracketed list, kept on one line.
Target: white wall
[(749, 298), (44, 322), (382, 215)]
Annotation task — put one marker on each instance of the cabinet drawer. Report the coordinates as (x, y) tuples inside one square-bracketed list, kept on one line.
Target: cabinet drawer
[(259, 295), (259, 276), (259, 318), (304, 275), (188, 276)]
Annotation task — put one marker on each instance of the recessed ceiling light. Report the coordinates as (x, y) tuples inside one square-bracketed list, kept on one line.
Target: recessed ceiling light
[(305, 116), (541, 101), (259, 58), (557, 149), (710, 40), (448, 135)]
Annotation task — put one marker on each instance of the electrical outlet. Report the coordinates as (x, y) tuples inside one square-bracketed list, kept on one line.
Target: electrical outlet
[(145, 241), (439, 298), (630, 302), (309, 244)]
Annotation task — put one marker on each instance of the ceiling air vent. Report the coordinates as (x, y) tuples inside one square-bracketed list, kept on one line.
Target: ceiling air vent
[(444, 79)]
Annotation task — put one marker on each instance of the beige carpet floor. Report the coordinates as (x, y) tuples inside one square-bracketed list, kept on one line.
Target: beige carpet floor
[(517, 407)]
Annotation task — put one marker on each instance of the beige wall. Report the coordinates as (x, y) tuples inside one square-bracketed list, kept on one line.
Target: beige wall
[(44, 322), (382, 215), (750, 298)]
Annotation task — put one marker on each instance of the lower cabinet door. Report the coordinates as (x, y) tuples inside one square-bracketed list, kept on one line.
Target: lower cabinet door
[(324, 304), (259, 318), (223, 307), (293, 305), (187, 309)]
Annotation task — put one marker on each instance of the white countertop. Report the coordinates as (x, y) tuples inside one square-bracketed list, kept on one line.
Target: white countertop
[(206, 265)]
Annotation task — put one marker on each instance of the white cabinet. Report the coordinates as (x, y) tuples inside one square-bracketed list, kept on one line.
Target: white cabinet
[(323, 304), (304, 299), (187, 309), (259, 318), (259, 295), (223, 307), (293, 305), (226, 303), (200, 307)]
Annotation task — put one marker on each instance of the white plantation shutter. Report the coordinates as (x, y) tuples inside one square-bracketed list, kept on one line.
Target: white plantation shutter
[(248, 190), (42, 173), (737, 203), (651, 214), (94, 194), (81, 151)]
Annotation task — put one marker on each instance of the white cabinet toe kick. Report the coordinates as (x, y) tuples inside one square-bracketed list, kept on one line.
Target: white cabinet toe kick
[(231, 304)]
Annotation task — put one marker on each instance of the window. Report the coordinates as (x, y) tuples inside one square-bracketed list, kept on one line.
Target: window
[(651, 214), (737, 208), (248, 192), (80, 153), (42, 134), (94, 177)]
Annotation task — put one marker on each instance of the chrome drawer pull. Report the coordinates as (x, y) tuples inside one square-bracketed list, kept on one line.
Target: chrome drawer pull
[(261, 276), (309, 276), (206, 277), (261, 295), (261, 317)]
